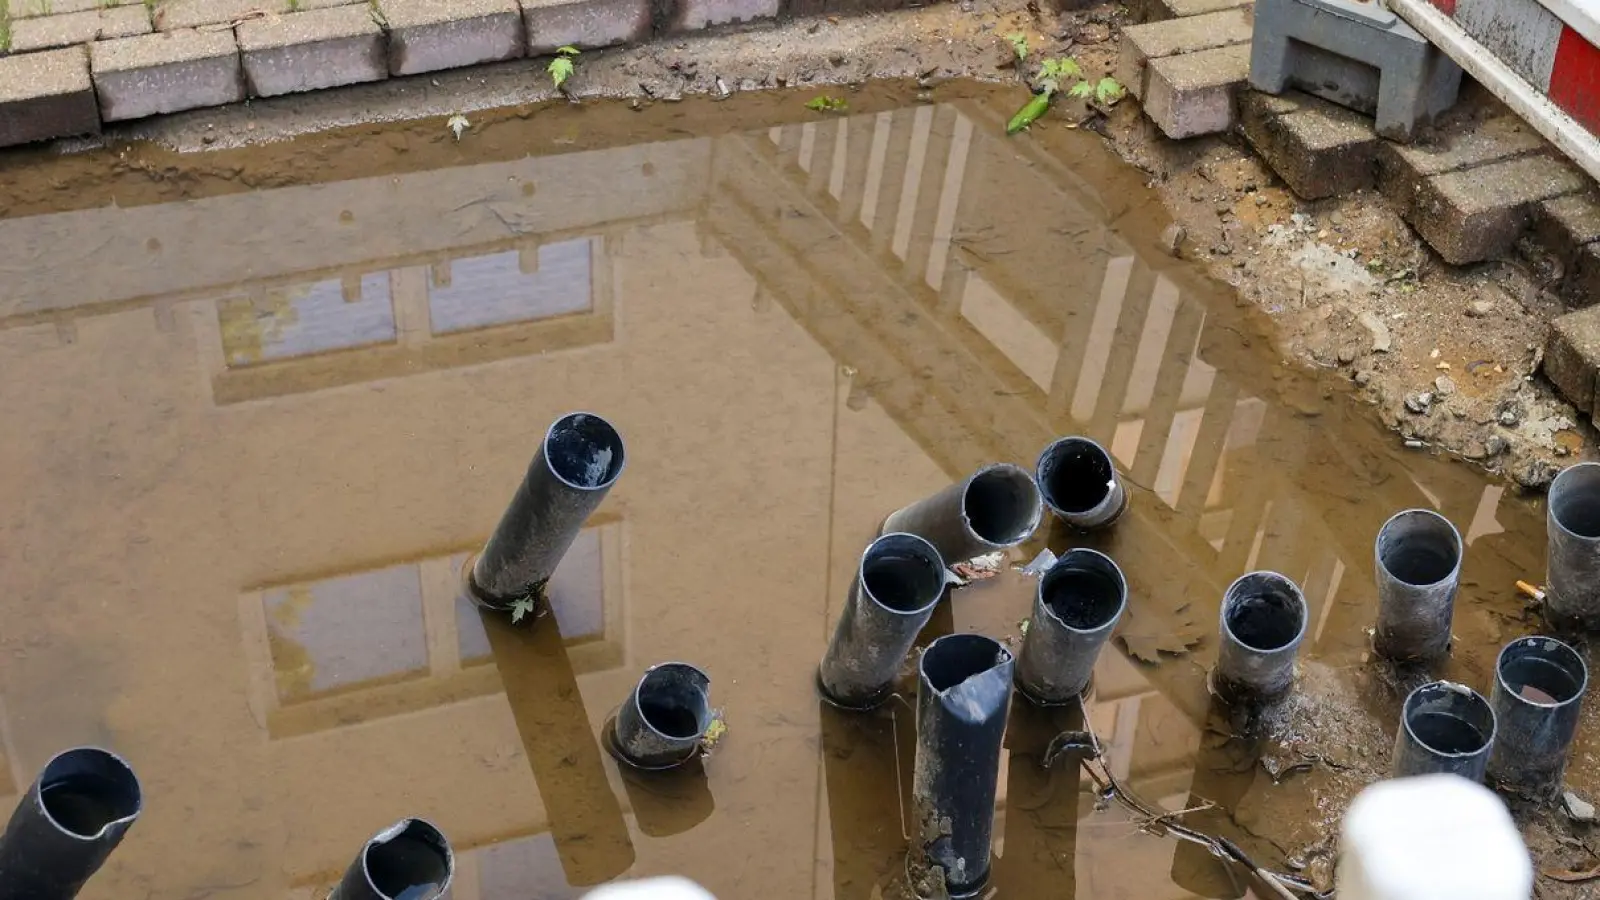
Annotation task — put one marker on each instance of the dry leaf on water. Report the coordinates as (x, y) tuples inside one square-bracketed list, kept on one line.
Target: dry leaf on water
[(1146, 634)]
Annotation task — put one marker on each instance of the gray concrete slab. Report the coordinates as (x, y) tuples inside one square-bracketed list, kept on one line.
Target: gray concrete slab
[(431, 35), (1320, 150), (71, 29), (165, 72), (46, 95), (1162, 10), (318, 48), (24, 9), (1193, 94), (695, 15), (1156, 40), (584, 24)]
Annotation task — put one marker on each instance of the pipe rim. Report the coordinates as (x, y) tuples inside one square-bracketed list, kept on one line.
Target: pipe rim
[(911, 544), (606, 432), (1023, 527), (1561, 648), (696, 676), (105, 765), (1457, 547), (1231, 599), (1478, 702), (427, 832), (969, 643), (1574, 478), (1101, 563), (1050, 458)]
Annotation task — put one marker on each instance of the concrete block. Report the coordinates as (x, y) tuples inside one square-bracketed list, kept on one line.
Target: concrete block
[(1357, 54), (71, 29), (1162, 10), (1471, 215), (25, 9), (695, 15), (318, 48), (1563, 225), (173, 15), (165, 72), (1402, 169), (1318, 149), (1193, 94), (430, 35), (584, 23), (46, 95), (1582, 285), (1156, 40), (1572, 356)]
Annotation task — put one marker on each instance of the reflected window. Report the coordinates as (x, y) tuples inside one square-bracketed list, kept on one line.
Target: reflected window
[(527, 868), (502, 288), (577, 600), (307, 319), (347, 632)]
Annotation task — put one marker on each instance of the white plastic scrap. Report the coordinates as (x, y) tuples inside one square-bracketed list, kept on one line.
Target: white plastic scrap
[(1040, 565)]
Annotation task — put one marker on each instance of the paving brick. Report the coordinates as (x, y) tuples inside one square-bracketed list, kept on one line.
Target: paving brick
[(1572, 356), (319, 48), (430, 35), (23, 9), (1402, 168), (1564, 224), (46, 95), (1581, 288), (172, 15), (1193, 94), (165, 72), (69, 29), (584, 23), (1161, 10), (1142, 43), (1319, 149), (1471, 215), (695, 15)]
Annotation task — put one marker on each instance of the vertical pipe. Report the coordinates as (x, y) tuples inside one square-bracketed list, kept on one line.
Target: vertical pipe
[(1418, 555), (1075, 607), (409, 860), (898, 583), (1537, 698), (1264, 620), (1444, 728), (67, 824), (666, 715), (1573, 548), (576, 465), (994, 508), (1079, 482), (963, 694)]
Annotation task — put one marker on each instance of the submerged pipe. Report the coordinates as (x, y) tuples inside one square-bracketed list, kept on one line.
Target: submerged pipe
[(1075, 607), (662, 722), (1079, 483), (994, 508), (579, 461), (963, 694), (1537, 697), (1572, 596), (1418, 554), (1444, 728), (1264, 619), (409, 860), (67, 824), (898, 583)]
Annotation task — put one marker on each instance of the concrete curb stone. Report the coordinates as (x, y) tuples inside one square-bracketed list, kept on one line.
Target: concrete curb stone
[(165, 72), (25, 9), (431, 35), (1193, 94), (306, 51), (1471, 215), (1572, 357), (172, 15), (1320, 150), (46, 95), (1402, 168), (697, 15), (69, 29), (1142, 43), (1162, 10), (585, 24)]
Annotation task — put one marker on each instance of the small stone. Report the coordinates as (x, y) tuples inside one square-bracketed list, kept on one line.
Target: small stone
[(1495, 445), (1363, 378), (1443, 386), (1261, 200), (1510, 412), (1381, 340), (1337, 218), (1419, 403), (1480, 308), (1172, 238), (1579, 809), (1222, 250), (1347, 355), (1475, 450)]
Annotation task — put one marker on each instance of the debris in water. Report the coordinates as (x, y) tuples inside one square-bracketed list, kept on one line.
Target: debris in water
[(1040, 564), (1171, 240), (714, 732), (457, 124), (977, 569), (1022, 626), (1536, 593), (521, 607), (1146, 635), (825, 103), (1579, 809)]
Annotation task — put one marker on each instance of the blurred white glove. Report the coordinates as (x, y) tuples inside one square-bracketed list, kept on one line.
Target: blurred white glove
[(671, 888)]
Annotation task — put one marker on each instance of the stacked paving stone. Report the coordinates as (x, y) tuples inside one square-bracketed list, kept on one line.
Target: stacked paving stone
[(1189, 64), (73, 64)]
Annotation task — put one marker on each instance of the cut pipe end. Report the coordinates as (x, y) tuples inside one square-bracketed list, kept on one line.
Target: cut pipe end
[(1001, 505), (1084, 590), (902, 573), (955, 658), (1078, 481), (1446, 726), (87, 791), (584, 451), (665, 718), (1264, 612), (1542, 672), (409, 860), (1419, 547), (1575, 500)]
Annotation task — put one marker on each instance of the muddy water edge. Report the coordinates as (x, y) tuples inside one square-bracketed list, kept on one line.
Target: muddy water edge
[(262, 402)]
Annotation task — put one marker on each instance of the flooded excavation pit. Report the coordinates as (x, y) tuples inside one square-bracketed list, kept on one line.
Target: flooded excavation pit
[(651, 383)]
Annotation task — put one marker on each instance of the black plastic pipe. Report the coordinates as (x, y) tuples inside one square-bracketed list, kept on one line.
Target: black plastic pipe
[(664, 719), (900, 580), (67, 824), (1078, 481), (1537, 698), (1418, 555), (963, 695), (409, 860), (1572, 593), (580, 459), (1076, 604), (995, 508), (1264, 618), (1445, 728)]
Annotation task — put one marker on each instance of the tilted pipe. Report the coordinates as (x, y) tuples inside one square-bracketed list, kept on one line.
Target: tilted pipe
[(994, 508), (1078, 481), (899, 581), (664, 719), (67, 824)]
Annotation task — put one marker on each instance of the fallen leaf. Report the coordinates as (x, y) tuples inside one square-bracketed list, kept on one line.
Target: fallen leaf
[(1570, 876), (1147, 633)]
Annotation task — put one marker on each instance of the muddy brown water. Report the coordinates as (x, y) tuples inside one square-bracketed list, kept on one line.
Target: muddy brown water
[(260, 404)]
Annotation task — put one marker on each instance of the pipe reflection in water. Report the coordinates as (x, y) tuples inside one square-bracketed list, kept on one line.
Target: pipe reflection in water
[(1076, 604), (1264, 619), (580, 459), (1537, 699), (1042, 803), (963, 693), (1573, 548), (668, 802), (866, 765), (900, 580), (1224, 771), (586, 822), (67, 824), (1418, 555), (1079, 482), (1444, 728), (409, 860), (662, 722), (995, 508)]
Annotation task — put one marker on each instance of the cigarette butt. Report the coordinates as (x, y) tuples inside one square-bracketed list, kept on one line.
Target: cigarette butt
[(1530, 590)]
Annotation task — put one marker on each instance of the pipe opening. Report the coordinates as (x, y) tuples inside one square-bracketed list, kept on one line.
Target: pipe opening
[(1449, 720), (1264, 611), (1542, 671), (1575, 500), (412, 864), (1084, 591), (903, 572), (1075, 475), (1002, 505), (1419, 547), (953, 659), (673, 701), (584, 451), (86, 790)]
